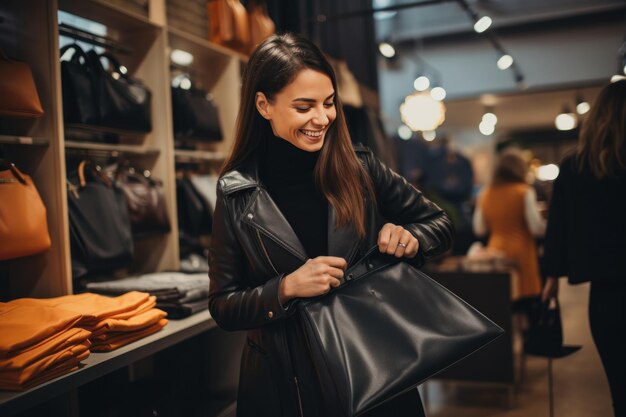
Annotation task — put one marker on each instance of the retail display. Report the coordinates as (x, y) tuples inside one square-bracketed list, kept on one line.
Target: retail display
[(229, 24), (100, 230), (189, 15), (385, 305), (195, 115), (23, 223), (17, 89), (261, 25), (194, 212), (145, 201)]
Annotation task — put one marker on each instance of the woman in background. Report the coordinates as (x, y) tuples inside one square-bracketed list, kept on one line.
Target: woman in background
[(586, 236)]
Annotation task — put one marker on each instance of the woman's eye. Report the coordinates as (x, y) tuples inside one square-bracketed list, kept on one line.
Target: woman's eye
[(302, 109), (329, 105)]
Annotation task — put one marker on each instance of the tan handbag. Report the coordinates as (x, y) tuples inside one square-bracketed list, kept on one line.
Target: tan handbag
[(23, 224), (228, 24), (17, 89), (261, 26)]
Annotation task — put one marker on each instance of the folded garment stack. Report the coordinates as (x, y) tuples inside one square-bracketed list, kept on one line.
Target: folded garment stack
[(38, 344), (179, 294)]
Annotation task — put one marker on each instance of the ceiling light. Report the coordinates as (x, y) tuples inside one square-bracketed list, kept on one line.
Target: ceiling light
[(438, 93), (490, 118), (482, 24), (421, 83), (180, 57), (547, 172), (505, 61), (486, 128), (387, 50), (405, 132), (123, 69), (582, 107), (429, 135), (421, 112), (185, 83), (617, 77), (566, 120)]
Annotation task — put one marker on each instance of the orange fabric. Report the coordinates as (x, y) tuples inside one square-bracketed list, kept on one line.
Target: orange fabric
[(117, 340), (22, 358), (21, 376), (139, 322), (23, 326), (59, 370), (503, 210), (150, 304), (93, 307)]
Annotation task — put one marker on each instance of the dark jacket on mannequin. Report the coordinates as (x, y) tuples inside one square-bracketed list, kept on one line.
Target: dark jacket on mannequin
[(253, 247)]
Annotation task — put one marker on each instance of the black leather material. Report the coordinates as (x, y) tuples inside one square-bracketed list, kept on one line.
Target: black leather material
[(195, 115), (79, 102), (386, 329), (253, 247)]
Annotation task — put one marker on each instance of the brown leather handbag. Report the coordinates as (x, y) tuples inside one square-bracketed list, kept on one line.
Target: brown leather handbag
[(17, 89), (261, 25), (228, 24), (23, 224)]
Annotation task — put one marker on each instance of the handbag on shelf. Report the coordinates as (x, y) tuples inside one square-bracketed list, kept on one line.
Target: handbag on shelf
[(195, 115), (387, 328), (145, 201), (100, 232), (123, 102), (79, 102), (261, 25), (23, 223), (18, 90), (228, 24)]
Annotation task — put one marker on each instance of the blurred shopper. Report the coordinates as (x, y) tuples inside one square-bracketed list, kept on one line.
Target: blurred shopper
[(507, 211), (586, 236)]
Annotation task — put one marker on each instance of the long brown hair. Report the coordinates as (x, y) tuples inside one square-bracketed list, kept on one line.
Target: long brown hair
[(510, 168), (338, 173), (602, 140)]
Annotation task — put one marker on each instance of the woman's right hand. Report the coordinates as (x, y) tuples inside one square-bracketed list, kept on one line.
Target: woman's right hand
[(317, 276)]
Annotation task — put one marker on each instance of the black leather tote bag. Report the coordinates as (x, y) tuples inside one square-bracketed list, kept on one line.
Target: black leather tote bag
[(100, 232), (195, 115), (123, 102), (79, 102), (385, 330)]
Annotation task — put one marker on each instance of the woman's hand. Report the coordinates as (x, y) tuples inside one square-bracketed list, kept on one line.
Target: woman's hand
[(317, 276), (397, 241), (550, 289)]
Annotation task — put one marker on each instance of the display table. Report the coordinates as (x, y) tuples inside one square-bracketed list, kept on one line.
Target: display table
[(99, 364)]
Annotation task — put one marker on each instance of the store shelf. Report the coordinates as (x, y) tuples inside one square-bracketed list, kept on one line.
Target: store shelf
[(197, 46), (99, 364), (110, 148), (108, 14), (193, 155), (24, 140)]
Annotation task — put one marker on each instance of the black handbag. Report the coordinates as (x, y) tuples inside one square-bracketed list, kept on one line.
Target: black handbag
[(387, 328), (79, 102), (544, 336), (123, 102), (100, 231), (195, 115)]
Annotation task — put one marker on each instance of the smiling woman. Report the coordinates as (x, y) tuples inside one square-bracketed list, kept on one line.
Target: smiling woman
[(296, 204)]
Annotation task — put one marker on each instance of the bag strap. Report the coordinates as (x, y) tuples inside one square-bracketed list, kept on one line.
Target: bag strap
[(78, 52), (16, 172), (81, 174)]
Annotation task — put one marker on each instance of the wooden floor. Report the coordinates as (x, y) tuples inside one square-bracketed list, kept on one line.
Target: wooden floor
[(580, 387)]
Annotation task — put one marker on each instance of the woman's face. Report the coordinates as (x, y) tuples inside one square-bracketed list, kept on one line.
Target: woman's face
[(302, 111)]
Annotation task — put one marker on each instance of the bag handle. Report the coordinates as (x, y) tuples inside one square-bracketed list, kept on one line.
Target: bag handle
[(81, 174), (78, 52), (16, 172)]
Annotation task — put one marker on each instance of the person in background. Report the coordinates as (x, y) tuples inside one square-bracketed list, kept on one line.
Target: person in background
[(507, 210), (296, 203), (586, 234)]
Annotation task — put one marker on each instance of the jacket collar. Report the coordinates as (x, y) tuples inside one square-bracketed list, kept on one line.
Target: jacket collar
[(263, 214)]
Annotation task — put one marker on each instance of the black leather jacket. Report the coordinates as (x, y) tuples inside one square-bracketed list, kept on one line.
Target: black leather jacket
[(253, 247)]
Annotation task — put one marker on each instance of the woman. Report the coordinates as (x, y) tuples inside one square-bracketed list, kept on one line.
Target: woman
[(508, 210), (296, 205), (586, 236)]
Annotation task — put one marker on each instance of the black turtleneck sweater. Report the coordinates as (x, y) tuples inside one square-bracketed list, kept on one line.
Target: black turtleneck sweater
[(287, 173)]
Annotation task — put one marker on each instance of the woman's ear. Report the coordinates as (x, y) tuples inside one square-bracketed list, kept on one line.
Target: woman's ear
[(263, 105)]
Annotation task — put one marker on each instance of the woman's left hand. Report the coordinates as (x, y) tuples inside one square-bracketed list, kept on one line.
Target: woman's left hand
[(397, 241)]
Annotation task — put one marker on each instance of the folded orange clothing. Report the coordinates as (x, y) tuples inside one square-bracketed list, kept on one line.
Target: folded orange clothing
[(21, 376), (22, 326), (138, 322), (62, 369), (117, 340), (19, 359), (147, 306), (93, 307)]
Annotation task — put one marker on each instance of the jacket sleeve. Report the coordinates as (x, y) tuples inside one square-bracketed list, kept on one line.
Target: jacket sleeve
[(234, 305), (401, 203)]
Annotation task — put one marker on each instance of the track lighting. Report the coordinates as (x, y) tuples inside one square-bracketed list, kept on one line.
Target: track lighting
[(438, 93), (505, 61), (180, 57), (566, 120), (582, 106), (405, 132), (386, 49), (482, 24), (421, 83)]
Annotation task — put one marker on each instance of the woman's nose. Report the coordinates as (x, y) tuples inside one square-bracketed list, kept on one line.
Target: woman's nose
[(320, 118)]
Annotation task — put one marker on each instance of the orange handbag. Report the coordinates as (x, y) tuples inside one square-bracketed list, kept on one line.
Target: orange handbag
[(228, 24), (17, 89), (261, 26), (23, 224)]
